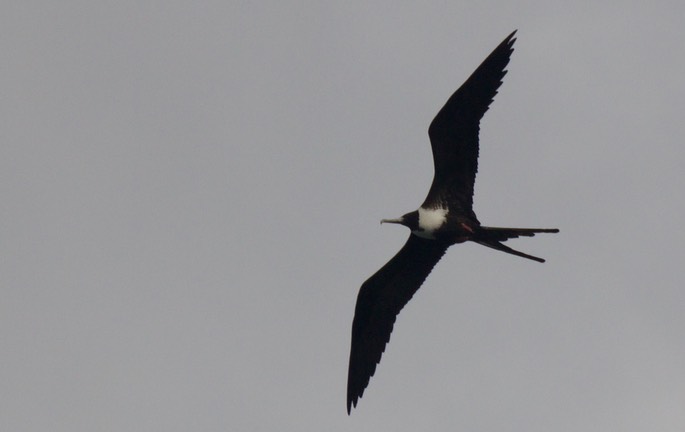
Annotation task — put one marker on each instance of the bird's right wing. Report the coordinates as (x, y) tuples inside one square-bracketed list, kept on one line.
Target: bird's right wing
[(379, 301)]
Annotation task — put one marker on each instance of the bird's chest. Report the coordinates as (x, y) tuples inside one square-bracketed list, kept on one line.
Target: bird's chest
[(430, 222), (434, 224)]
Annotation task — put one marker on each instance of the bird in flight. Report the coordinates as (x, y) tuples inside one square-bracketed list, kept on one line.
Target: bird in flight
[(446, 217)]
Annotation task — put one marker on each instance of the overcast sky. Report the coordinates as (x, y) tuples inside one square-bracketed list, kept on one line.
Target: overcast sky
[(191, 194)]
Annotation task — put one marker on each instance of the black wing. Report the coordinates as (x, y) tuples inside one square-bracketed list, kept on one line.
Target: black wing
[(454, 132), (379, 301)]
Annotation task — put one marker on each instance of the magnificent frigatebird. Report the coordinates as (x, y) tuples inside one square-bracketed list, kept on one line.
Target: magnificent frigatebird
[(445, 218)]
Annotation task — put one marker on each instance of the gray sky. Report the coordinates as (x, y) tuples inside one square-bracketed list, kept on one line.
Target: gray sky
[(191, 196)]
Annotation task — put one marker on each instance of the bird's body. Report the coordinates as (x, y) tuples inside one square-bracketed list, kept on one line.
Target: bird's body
[(446, 217)]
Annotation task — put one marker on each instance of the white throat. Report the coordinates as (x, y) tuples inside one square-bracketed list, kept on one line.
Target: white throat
[(430, 220)]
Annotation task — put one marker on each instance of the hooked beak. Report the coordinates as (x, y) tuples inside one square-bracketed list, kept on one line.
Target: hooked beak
[(394, 221)]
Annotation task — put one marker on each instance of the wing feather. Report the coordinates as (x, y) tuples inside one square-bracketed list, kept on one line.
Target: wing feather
[(454, 131), (379, 302)]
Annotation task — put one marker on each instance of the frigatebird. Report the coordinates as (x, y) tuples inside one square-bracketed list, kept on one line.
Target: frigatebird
[(446, 217)]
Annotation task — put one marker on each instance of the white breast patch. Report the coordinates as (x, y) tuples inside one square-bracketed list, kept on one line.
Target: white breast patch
[(431, 220)]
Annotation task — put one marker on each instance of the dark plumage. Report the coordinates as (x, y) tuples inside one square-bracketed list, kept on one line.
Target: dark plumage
[(445, 218)]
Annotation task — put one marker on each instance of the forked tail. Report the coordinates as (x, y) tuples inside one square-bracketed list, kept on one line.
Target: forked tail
[(492, 237)]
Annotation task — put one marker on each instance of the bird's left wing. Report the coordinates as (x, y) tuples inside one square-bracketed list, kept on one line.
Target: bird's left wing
[(379, 301), (454, 130)]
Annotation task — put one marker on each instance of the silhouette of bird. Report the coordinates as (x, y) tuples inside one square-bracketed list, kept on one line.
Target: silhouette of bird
[(446, 217)]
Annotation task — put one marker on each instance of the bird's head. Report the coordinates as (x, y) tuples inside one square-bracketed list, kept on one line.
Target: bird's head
[(410, 220)]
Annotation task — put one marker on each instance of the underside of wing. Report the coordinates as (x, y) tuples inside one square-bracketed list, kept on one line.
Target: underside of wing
[(454, 131), (379, 301)]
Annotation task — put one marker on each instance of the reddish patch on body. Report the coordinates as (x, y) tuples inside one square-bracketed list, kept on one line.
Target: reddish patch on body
[(466, 227)]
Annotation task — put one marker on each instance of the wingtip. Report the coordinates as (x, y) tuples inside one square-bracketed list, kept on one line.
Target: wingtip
[(509, 40), (350, 404)]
